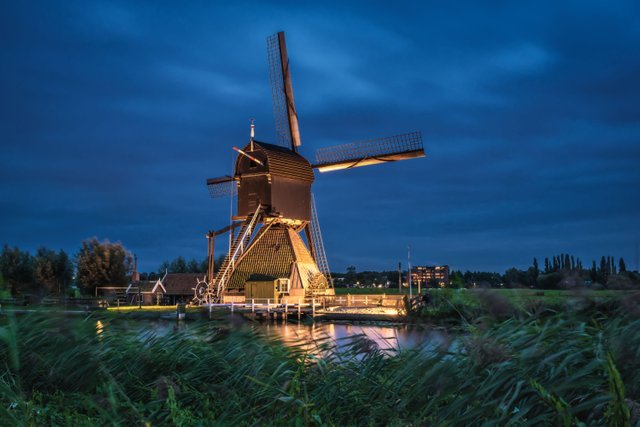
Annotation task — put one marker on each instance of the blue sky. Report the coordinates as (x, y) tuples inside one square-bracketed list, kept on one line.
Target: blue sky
[(114, 113)]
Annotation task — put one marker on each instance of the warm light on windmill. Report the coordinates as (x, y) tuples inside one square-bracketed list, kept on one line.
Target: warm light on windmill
[(274, 201)]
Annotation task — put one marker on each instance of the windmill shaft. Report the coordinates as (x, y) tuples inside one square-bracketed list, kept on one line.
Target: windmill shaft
[(288, 91)]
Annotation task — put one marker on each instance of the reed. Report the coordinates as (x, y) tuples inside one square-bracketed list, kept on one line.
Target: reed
[(557, 369)]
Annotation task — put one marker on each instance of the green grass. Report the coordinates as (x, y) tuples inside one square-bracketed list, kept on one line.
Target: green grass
[(552, 367)]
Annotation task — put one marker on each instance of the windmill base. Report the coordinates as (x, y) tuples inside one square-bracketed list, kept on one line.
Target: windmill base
[(278, 258)]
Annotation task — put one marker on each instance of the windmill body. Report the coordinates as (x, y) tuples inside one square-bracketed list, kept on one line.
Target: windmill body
[(275, 234), (282, 184)]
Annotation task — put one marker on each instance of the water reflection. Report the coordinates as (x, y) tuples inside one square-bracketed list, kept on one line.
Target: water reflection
[(99, 328), (316, 338), (388, 338)]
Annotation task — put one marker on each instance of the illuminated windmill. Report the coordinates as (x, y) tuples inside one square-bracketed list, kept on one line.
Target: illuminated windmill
[(275, 204)]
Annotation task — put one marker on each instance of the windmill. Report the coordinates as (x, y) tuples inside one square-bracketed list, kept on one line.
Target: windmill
[(275, 205)]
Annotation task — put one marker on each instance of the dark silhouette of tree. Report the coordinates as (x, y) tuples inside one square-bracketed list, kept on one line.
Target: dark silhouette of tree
[(613, 265), (178, 265), (350, 277), (102, 264), (164, 267), (622, 268), (63, 271), (17, 269), (546, 265), (44, 269), (193, 266)]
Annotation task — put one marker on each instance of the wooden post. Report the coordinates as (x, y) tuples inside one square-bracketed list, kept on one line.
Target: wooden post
[(232, 306), (299, 308), (324, 303), (268, 304), (253, 305), (366, 300), (313, 307)]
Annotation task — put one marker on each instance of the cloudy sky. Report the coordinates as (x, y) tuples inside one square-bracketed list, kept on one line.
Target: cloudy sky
[(114, 113)]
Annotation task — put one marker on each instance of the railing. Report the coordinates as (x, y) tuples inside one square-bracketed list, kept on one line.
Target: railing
[(237, 250)]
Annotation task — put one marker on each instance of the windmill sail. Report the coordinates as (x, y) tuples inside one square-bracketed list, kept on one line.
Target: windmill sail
[(222, 186), (371, 152), (284, 109)]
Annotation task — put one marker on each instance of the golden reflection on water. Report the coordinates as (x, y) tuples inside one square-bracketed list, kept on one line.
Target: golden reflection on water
[(99, 327), (320, 337)]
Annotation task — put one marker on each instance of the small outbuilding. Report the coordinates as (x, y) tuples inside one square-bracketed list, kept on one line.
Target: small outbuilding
[(173, 288)]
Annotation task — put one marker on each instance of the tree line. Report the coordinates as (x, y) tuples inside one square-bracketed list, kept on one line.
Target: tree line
[(561, 271), (48, 272), (95, 264), (566, 271), (103, 263)]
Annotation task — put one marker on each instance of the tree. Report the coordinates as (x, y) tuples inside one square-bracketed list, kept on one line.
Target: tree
[(613, 265), (621, 266), (102, 264), (456, 279), (178, 265), (63, 271), (515, 277), (546, 264), (45, 269), (165, 267), (350, 277), (536, 270), (17, 268), (193, 266), (4, 293)]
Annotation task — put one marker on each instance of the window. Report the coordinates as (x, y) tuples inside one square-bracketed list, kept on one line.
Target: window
[(282, 286)]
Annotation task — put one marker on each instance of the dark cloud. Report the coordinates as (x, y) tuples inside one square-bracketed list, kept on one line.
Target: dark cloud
[(114, 113)]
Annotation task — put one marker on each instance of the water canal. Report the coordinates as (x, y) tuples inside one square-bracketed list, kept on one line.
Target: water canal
[(311, 337)]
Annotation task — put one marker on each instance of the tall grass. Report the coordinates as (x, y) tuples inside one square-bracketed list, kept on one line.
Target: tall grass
[(557, 369)]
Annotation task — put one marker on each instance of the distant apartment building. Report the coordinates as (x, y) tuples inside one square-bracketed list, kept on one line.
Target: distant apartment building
[(430, 275)]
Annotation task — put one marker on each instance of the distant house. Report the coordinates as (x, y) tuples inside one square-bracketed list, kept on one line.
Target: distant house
[(180, 286), (145, 292), (171, 289)]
